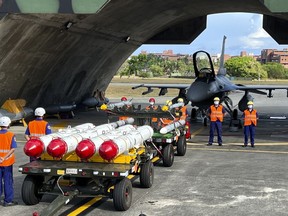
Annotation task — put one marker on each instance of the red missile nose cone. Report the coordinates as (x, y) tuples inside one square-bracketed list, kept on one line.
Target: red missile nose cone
[(34, 148), (108, 150), (85, 149), (57, 148)]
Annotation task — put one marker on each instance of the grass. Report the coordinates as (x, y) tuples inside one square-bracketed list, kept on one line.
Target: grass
[(117, 87)]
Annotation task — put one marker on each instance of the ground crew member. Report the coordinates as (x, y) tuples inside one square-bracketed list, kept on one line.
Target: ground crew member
[(37, 127), (7, 159), (216, 113), (166, 121), (250, 116), (124, 99), (154, 121), (182, 110)]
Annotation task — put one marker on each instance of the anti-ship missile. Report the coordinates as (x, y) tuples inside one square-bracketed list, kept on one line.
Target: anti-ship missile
[(172, 126), (36, 146), (89, 147), (110, 149), (58, 147)]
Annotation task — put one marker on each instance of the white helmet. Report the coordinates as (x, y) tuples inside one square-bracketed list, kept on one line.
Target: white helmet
[(39, 111), (5, 121)]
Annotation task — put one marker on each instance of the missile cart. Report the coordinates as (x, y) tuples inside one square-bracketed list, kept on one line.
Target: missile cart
[(164, 145), (72, 176)]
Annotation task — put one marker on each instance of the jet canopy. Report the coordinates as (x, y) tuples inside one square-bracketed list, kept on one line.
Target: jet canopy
[(203, 66)]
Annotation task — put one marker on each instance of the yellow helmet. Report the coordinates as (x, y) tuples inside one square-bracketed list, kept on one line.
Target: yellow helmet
[(180, 100), (216, 99), (168, 103), (250, 103)]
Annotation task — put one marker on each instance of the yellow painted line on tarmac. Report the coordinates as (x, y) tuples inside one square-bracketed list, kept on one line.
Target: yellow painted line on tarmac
[(238, 150), (197, 132), (85, 206), (240, 144)]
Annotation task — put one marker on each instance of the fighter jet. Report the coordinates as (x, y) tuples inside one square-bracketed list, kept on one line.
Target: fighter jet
[(209, 84)]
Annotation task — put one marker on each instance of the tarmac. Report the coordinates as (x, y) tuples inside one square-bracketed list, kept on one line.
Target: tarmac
[(208, 180)]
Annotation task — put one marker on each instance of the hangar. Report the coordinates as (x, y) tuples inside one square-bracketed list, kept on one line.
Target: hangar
[(62, 51)]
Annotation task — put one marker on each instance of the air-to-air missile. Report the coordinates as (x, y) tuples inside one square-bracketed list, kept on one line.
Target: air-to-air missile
[(60, 146), (118, 105), (35, 147), (172, 126)]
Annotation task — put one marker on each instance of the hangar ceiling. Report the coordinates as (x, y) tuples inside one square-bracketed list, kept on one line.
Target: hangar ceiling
[(61, 51)]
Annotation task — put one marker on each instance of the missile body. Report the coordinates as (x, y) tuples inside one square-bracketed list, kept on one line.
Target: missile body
[(176, 105), (89, 147), (112, 148), (172, 126), (37, 146), (60, 146)]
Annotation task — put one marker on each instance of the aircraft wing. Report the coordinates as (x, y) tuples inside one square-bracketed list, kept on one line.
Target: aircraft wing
[(163, 87), (257, 88)]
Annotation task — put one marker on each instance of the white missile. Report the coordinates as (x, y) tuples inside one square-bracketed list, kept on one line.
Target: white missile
[(58, 147), (112, 148), (36, 146), (89, 147), (113, 105), (176, 105), (172, 126)]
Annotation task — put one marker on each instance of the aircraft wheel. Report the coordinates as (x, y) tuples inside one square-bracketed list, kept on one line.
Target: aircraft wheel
[(30, 190), (181, 146), (235, 114), (205, 121), (193, 115), (147, 174), (122, 195), (168, 155)]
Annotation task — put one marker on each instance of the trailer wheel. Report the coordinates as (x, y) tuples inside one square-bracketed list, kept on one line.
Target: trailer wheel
[(181, 146), (30, 190), (147, 174), (168, 155), (122, 195)]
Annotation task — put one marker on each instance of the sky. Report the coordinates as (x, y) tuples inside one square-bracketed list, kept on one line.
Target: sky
[(244, 32)]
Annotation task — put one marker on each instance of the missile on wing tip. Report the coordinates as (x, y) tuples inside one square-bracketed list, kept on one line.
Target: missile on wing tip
[(172, 126), (112, 148), (35, 147), (90, 146)]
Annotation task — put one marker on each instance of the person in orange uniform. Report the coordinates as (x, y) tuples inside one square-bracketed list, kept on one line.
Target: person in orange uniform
[(250, 116), (37, 127), (124, 99), (152, 106), (166, 121), (216, 113), (182, 109), (7, 159)]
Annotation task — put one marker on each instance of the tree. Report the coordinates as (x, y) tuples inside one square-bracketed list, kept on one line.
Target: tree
[(246, 67), (275, 70)]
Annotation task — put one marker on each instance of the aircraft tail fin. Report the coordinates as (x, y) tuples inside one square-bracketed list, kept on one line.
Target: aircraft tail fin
[(222, 70)]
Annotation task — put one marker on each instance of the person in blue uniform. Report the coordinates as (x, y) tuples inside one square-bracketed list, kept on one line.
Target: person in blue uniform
[(7, 159)]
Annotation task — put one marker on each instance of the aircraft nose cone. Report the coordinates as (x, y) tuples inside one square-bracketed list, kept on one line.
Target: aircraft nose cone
[(198, 92)]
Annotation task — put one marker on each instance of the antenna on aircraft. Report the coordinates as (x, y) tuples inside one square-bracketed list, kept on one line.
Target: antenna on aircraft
[(222, 70)]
